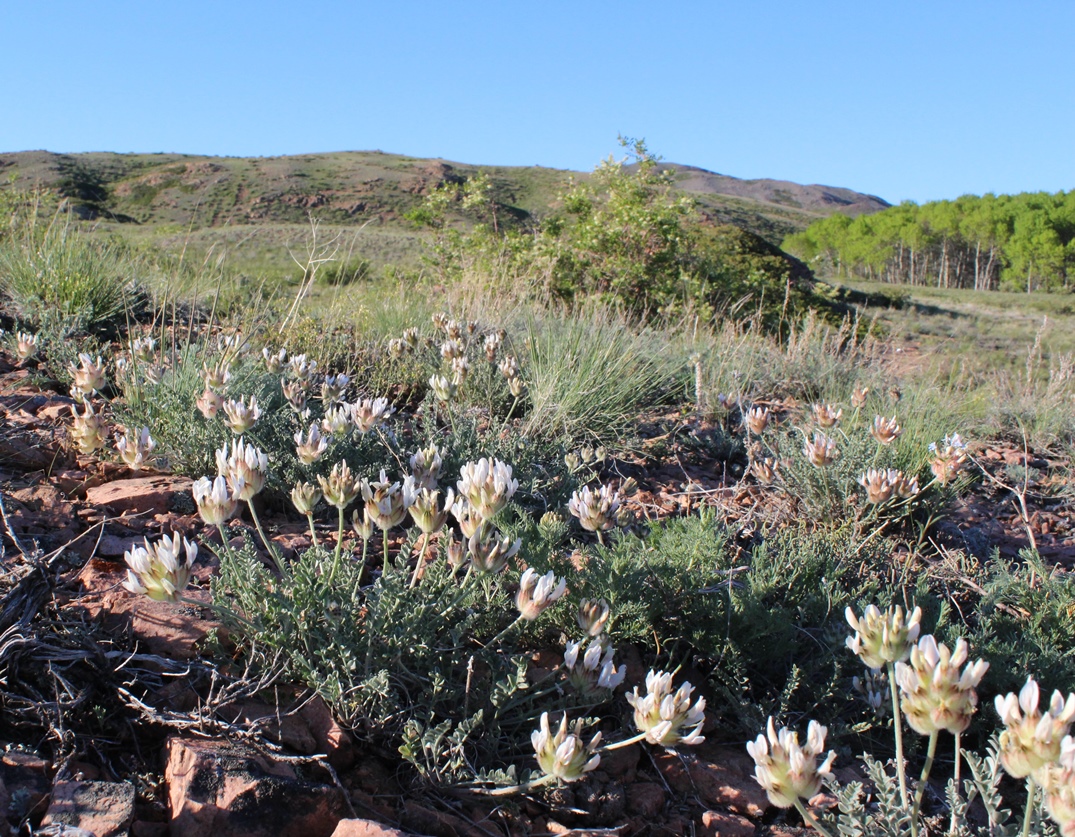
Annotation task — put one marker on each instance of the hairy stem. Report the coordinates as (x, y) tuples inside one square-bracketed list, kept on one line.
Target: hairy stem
[(1031, 788), (897, 726), (339, 548), (424, 541), (810, 819), (931, 751), (313, 533), (273, 553)]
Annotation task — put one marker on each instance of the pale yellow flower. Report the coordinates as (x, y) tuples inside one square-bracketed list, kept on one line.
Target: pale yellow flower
[(564, 755), (787, 770), (665, 716)]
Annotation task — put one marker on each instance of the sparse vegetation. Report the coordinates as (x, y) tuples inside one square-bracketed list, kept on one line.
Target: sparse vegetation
[(481, 509)]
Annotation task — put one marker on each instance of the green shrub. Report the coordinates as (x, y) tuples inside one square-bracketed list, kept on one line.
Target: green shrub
[(90, 283)]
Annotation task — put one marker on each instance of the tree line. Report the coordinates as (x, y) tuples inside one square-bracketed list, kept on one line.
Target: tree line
[(1008, 242)]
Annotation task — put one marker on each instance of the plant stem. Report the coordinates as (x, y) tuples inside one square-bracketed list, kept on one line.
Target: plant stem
[(424, 540), (504, 632), (1031, 788), (362, 565), (931, 751), (897, 726), (513, 789), (955, 780), (339, 548), (268, 544), (625, 743), (384, 539), (810, 819), (313, 534)]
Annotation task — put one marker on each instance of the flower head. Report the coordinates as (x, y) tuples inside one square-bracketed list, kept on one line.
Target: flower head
[(371, 412), (209, 403), (89, 376), (822, 451), (305, 496), (537, 593), (596, 510), (410, 338), (425, 467), (509, 367), (936, 695), (765, 468), (1031, 740), (1060, 789), (134, 447), (245, 469), (593, 616), (333, 387), (387, 503), (362, 523), (443, 389), (337, 420), (470, 522), (564, 755), (88, 429), (757, 419), (428, 512), (592, 672), (241, 417), (858, 397), (488, 486), (787, 770), (460, 370), (217, 376), (302, 369), (157, 570), (341, 487), (880, 484), (216, 504), (492, 345), (143, 348), (666, 716), (276, 363), (296, 392), (25, 345), (309, 448), (451, 349), (882, 638), (884, 430), (489, 552), (948, 459), (826, 415)]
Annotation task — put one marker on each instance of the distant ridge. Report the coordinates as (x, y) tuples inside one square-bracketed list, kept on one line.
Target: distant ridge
[(812, 198), (372, 189)]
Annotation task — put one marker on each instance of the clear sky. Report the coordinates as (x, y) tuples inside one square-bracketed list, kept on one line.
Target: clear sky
[(906, 100)]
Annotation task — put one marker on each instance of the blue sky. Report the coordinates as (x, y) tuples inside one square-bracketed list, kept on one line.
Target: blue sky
[(904, 100)]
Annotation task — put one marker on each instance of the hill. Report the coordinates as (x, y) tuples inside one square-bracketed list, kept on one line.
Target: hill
[(254, 202)]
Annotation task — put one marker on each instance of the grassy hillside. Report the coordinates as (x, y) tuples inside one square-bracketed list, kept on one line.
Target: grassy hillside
[(254, 208)]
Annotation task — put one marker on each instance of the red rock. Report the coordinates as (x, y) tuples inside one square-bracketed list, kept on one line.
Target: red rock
[(144, 828), (24, 777), (366, 828), (621, 764), (716, 824), (423, 820), (332, 739), (105, 809), (726, 784), (172, 630), (141, 494), (646, 799), (219, 789)]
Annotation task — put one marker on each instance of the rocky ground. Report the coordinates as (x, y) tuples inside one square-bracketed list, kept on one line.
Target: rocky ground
[(155, 737)]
